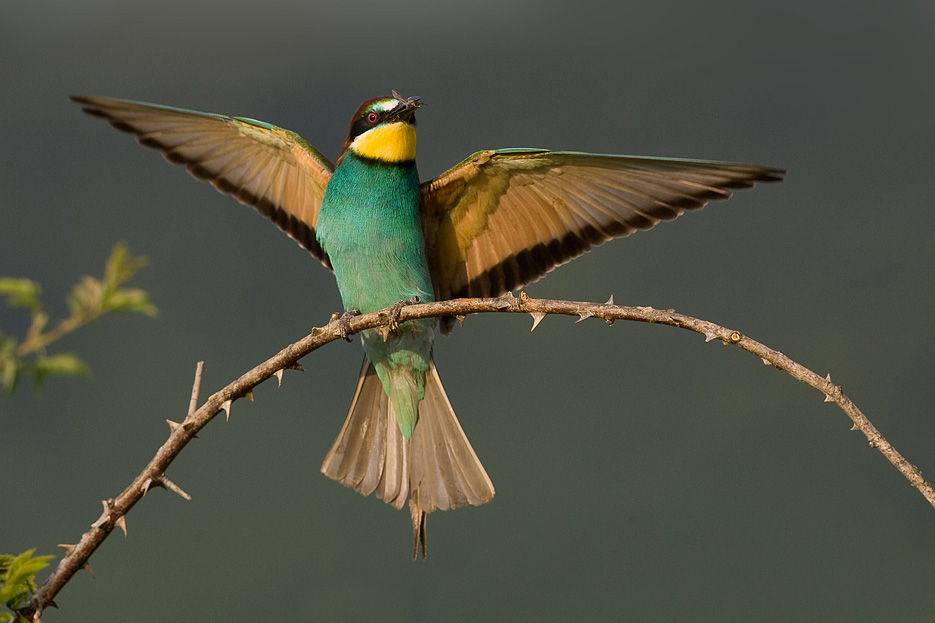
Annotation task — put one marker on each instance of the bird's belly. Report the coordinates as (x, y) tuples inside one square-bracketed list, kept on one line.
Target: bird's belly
[(370, 281)]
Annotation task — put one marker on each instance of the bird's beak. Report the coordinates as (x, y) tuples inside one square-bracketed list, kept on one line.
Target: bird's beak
[(405, 107)]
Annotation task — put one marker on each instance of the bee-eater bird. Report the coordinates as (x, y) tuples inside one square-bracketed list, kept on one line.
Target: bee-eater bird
[(491, 224)]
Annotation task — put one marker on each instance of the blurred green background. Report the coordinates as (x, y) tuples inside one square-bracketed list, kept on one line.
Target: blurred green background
[(641, 474)]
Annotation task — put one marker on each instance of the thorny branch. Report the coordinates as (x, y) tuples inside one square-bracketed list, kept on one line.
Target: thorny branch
[(154, 474)]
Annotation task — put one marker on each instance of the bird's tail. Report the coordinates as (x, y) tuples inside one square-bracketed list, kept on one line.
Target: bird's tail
[(435, 469)]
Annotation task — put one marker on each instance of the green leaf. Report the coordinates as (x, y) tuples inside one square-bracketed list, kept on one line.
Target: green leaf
[(9, 364), (121, 265), (9, 371), (18, 576), (21, 293), (64, 363), (129, 299)]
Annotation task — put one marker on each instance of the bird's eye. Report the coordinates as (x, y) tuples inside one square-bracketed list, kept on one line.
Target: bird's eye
[(372, 117)]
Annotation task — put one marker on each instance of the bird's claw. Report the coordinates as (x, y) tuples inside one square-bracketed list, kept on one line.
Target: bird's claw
[(344, 322), (397, 309)]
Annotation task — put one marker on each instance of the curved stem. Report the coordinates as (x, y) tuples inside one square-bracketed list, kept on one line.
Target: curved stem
[(115, 509)]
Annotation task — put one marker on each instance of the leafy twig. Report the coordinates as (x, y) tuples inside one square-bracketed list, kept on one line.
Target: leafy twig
[(18, 579), (90, 299)]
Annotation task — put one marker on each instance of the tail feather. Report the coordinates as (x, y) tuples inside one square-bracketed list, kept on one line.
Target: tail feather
[(435, 469), (358, 457)]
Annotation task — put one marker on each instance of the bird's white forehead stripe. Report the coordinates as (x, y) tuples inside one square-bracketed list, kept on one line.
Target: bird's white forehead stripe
[(386, 105)]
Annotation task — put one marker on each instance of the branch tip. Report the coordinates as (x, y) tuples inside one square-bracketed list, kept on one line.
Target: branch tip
[(196, 387)]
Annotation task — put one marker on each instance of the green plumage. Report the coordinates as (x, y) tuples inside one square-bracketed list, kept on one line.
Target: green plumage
[(370, 228)]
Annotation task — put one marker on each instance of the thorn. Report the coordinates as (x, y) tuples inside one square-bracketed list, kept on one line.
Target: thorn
[(766, 362), (227, 409), (184, 426), (583, 315), (87, 567), (709, 336), (278, 374), (249, 396), (853, 427), (146, 485), (610, 301), (122, 524), (171, 486), (828, 377), (828, 398), (536, 319), (68, 548), (105, 516)]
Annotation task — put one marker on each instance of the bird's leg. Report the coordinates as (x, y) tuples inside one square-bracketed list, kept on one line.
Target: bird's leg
[(344, 322), (397, 309), (418, 529)]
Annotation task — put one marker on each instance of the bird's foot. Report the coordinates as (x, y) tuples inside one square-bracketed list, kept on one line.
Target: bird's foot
[(344, 322), (397, 309)]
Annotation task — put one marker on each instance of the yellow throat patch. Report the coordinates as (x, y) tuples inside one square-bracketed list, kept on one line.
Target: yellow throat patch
[(394, 142)]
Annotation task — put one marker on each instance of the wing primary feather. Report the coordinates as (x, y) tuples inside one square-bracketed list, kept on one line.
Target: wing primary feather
[(252, 160), (555, 206)]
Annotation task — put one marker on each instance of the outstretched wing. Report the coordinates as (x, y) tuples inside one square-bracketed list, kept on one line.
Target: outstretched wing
[(502, 219), (263, 166)]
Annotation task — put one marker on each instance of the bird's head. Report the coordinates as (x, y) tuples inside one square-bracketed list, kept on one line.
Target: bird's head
[(384, 129)]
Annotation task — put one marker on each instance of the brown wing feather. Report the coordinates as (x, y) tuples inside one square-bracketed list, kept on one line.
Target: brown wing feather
[(502, 219), (263, 166)]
